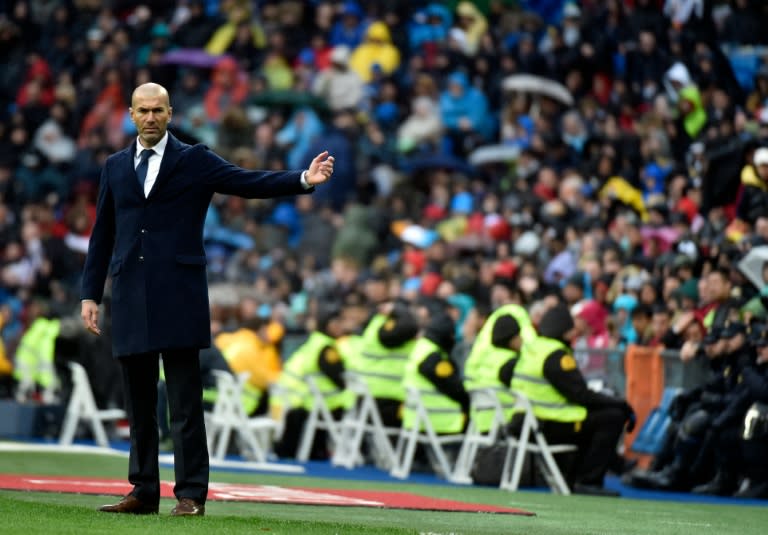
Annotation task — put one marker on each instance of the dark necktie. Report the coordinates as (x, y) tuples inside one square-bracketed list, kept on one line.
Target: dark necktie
[(141, 169)]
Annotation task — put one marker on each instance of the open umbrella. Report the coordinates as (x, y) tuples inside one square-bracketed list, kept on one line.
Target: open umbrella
[(494, 154), (529, 83), (192, 57), (752, 265)]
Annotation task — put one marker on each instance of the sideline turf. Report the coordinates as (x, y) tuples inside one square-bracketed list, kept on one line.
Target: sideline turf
[(32, 512)]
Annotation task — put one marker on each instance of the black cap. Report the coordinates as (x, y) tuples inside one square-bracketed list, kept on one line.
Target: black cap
[(556, 322), (504, 329)]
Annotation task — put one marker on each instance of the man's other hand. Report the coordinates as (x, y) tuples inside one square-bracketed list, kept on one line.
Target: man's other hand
[(89, 311)]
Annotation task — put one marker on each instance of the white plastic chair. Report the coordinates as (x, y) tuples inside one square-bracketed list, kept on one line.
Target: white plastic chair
[(228, 415), (483, 400), (320, 417), (518, 446), (362, 419), (82, 406), (411, 436)]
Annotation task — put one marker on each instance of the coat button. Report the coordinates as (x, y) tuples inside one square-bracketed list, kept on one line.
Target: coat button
[(141, 259), (143, 231)]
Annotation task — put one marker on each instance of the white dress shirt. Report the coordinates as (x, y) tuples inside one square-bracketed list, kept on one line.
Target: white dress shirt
[(153, 164)]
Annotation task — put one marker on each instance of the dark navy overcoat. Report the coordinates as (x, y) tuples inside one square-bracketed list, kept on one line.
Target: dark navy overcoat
[(153, 247)]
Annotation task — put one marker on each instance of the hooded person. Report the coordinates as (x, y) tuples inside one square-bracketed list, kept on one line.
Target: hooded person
[(568, 411), (431, 369), (376, 50)]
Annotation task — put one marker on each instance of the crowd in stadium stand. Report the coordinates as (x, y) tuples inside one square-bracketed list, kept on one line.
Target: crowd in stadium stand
[(611, 153)]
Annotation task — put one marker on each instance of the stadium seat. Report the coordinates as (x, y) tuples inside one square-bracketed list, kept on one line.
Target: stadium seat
[(82, 407), (518, 446), (228, 415), (361, 420), (651, 435), (320, 417), (421, 431)]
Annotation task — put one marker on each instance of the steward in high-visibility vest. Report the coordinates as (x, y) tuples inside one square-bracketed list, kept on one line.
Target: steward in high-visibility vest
[(382, 354), (431, 370), (319, 358), (568, 411), (35, 357), (492, 360)]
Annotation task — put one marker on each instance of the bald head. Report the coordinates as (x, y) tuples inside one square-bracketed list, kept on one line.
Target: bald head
[(150, 89), (151, 112)]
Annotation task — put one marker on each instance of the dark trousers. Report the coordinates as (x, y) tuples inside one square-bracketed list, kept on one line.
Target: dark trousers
[(293, 431), (596, 439), (187, 424)]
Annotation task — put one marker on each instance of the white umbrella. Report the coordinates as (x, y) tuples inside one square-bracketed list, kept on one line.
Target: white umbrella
[(493, 154), (529, 83), (752, 265)]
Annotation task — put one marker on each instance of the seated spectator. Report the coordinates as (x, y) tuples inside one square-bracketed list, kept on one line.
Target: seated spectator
[(376, 50), (339, 86), (422, 130), (685, 458), (464, 111), (249, 349)]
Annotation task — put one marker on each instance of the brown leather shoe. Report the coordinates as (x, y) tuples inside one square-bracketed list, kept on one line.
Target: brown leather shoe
[(188, 507), (131, 505)]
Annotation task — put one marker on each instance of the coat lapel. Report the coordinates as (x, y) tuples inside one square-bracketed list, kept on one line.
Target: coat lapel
[(170, 159), (128, 155)]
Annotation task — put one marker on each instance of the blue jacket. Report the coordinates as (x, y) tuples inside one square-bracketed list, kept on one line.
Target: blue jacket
[(153, 247)]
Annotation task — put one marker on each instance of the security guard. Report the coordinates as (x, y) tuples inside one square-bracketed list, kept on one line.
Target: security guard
[(492, 360), (431, 371), (317, 357), (381, 357), (567, 410)]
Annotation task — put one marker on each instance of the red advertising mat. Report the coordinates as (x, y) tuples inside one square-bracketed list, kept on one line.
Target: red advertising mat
[(259, 493)]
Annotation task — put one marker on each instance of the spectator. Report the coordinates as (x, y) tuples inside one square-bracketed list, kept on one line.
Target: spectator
[(339, 86), (376, 52)]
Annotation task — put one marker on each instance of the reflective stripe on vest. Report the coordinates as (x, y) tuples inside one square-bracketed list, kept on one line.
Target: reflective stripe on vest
[(381, 367), (305, 362), (35, 354), (547, 402), (445, 414)]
